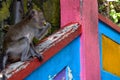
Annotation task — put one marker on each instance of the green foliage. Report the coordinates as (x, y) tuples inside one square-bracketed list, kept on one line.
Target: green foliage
[(52, 7), (36, 7), (4, 11), (35, 40), (114, 14), (110, 9), (25, 6), (102, 7), (51, 10)]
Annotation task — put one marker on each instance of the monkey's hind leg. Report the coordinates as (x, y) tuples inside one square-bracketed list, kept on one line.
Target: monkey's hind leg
[(25, 52), (34, 53)]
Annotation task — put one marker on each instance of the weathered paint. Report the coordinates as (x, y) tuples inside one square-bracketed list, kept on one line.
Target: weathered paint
[(63, 37), (69, 74), (68, 56), (108, 30), (110, 56)]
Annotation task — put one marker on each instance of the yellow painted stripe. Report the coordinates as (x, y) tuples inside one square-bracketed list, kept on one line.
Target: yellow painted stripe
[(110, 55)]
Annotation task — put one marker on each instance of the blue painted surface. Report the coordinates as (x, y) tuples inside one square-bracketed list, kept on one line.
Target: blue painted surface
[(109, 32), (68, 56), (115, 36)]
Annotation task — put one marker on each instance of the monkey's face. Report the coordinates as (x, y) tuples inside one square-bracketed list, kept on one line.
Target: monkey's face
[(38, 17), (34, 14)]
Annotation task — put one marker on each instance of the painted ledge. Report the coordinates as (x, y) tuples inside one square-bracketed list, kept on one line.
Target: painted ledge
[(48, 48), (109, 22)]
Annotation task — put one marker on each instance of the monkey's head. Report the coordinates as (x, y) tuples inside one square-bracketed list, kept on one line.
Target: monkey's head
[(37, 17)]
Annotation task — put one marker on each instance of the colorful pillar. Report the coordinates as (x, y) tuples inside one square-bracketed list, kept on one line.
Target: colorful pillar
[(90, 69), (86, 13)]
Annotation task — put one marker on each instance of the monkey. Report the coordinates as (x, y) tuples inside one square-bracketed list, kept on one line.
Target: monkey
[(17, 45)]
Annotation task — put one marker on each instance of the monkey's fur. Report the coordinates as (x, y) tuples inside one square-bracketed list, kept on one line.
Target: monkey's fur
[(18, 41)]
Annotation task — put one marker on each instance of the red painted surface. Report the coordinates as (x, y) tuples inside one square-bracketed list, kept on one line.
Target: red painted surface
[(109, 22), (47, 55), (70, 11), (90, 59)]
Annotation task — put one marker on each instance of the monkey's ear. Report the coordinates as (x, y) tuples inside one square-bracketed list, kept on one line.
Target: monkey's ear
[(32, 13)]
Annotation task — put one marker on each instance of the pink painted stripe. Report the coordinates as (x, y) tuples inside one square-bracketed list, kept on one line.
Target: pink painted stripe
[(90, 59), (70, 12)]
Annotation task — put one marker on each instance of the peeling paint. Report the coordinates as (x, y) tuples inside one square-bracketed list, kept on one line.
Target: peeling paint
[(70, 76), (15, 67), (51, 77), (52, 40)]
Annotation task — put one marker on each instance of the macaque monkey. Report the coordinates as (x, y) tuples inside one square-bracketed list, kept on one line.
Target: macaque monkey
[(18, 41)]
